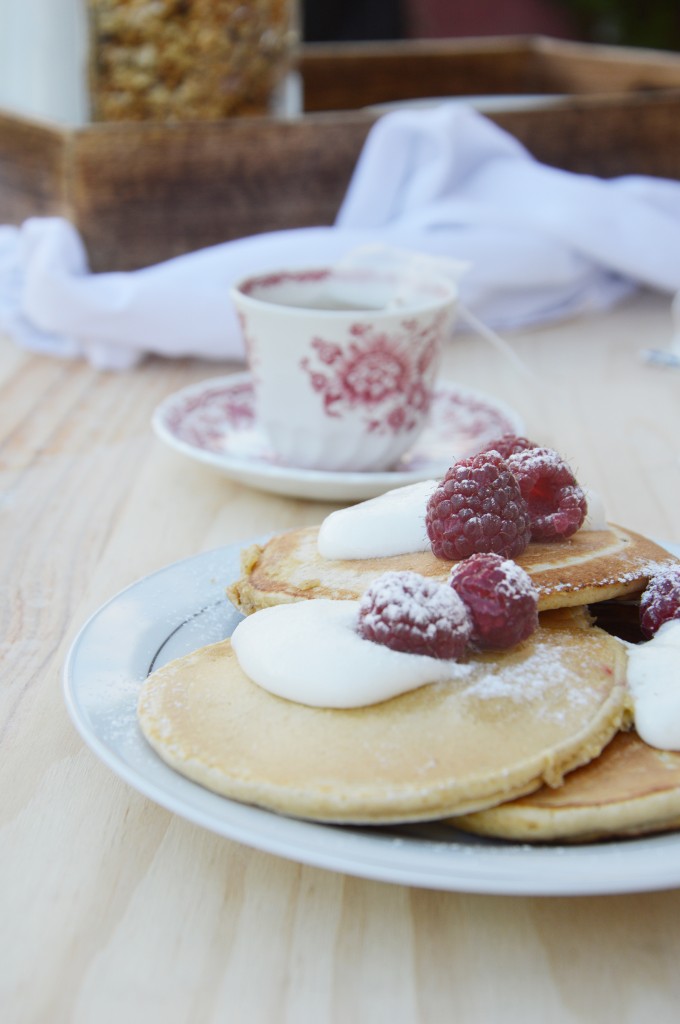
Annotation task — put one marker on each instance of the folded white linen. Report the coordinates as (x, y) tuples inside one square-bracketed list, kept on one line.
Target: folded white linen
[(541, 244)]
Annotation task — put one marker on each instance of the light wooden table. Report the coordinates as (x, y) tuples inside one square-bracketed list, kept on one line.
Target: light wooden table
[(111, 908)]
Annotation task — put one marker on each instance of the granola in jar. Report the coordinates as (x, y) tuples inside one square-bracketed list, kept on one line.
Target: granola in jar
[(172, 60)]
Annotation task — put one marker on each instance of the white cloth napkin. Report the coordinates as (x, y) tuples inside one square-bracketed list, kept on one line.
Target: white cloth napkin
[(542, 244)]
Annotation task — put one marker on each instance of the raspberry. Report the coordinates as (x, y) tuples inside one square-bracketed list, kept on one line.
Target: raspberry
[(660, 600), (509, 444), (500, 597), (557, 505), (477, 507), (407, 612)]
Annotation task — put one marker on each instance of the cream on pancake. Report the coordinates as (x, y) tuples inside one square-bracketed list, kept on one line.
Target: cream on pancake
[(630, 789), (518, 719), (590, 566)]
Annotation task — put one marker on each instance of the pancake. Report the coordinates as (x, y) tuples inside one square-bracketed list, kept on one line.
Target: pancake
[(520, 718), (590, 566), (631, 789)]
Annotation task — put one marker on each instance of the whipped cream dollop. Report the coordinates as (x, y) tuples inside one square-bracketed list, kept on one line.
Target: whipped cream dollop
[(394, 524), (596, 516), (310, 652), (391, 524), (654, 684)]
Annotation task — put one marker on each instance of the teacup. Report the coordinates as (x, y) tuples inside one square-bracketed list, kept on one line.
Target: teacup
[(343, 361)]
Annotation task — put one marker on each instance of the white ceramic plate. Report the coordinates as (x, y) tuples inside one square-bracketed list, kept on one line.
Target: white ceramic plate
[(183, 607), (213, 421)]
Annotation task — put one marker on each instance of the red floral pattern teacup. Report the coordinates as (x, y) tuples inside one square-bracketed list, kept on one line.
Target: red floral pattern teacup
[(343, 361)]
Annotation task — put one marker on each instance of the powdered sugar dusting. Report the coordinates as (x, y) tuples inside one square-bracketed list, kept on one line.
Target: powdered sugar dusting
[(532, 681), (527, 681), (536, 460), (660, 601), (431, 603), (515, 582), (642, 570), (557, 504), (478, 508), (409, 612), (500, 597)]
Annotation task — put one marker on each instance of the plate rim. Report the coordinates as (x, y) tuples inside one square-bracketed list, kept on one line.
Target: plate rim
[(291, 475), (485, 867)]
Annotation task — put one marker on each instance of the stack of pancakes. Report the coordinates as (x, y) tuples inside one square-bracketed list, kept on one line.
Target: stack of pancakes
[(534, 744)]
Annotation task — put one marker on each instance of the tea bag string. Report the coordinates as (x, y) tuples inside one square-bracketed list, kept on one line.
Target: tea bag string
[(499, 343), (411, 267)]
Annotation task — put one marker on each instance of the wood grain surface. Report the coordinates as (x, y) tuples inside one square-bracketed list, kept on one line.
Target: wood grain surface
[(113, 909)]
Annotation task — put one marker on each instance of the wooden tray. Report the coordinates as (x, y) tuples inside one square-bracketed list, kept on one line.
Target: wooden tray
[(144, 192)]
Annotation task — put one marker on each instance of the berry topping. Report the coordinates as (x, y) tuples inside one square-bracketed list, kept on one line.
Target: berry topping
[(557, 505), (660, 601), (509, 444), (407, 612), (478, 507), (500, 597)]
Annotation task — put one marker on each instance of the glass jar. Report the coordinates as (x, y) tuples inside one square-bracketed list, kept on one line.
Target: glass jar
[(178, 60)]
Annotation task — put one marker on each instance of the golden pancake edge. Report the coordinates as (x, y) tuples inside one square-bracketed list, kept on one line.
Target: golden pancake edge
[(631, 789), (522, 718), (590, 566)]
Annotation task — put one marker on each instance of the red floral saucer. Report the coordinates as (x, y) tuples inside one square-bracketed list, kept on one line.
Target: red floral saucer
[(213, 421)]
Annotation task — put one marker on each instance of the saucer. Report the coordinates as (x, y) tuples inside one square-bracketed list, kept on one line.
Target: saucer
[(214, 422)]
